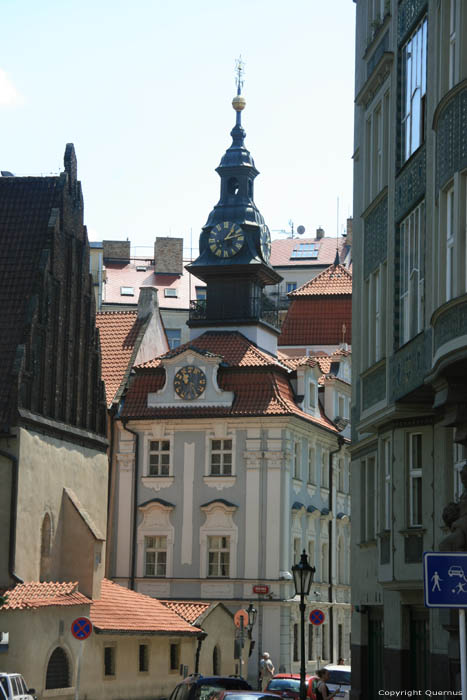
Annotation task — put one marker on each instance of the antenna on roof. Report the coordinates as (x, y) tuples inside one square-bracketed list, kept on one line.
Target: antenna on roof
[(291, 232), (300, 230)]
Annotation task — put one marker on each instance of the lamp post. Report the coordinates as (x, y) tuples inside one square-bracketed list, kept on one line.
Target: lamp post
[(302, 577), (251, 610)]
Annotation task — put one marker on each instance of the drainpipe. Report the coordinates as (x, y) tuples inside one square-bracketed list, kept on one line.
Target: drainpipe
[(135, 504), (340, 442), (201, 637), (13, 509)]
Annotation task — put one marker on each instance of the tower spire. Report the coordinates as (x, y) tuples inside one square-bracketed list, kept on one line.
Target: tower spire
[(239, 102)]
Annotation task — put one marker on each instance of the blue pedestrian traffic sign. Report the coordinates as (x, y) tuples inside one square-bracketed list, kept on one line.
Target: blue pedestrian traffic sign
[(445, 579)]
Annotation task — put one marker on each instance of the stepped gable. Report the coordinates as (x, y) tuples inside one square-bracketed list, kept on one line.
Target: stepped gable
[(119, 334), (260, 383), (121, 610), (37, 594)]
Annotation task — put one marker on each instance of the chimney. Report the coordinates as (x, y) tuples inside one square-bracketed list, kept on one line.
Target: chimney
[(168, 256), (116, 251), (147, 302), (319, 233), (348, 238)]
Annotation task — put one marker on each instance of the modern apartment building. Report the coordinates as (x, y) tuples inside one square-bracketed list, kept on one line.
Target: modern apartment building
[(409, 333)]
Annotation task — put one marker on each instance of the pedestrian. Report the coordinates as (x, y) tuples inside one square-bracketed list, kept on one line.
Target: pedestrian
[(322, 690), (266, 670), (341, 661)]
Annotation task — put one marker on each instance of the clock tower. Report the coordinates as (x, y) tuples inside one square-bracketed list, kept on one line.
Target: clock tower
[(234, 250)]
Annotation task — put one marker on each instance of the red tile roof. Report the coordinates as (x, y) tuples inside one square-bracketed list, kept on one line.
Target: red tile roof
[(188, 609), (281, 252), (119, 334), (37, 594), (234, 348), (317, 320), (126, 275), (335, 280), (122, 610)]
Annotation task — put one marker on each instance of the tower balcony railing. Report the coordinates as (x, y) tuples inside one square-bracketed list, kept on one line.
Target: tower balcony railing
[(254, 310)]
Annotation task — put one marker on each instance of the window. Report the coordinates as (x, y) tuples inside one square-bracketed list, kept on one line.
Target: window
[(340, 474), (452, 43), (159, 458), (143, 658), (310, 641), (296, 460), (341, 574), (312, 395), (295, 641), (170, 292), (412, 234), (218, 556), (305, 251), (324, 563), (376, 149), (324, 641), (415, 479), (311, 465), (341, 406), (201, 293), (387, 504), (109, 661), (368, 512), (155, 555), (174, 336), (221, 457), (290, 287), (460, 456), (413, 100), (58, 670), (450, 244), (127, 291), (141, 268), (324, 470), (375, 291), (174, 656), (297, 549), (311, 552)]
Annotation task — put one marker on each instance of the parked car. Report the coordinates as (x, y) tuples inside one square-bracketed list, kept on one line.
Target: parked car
[(247, 695), (339, 676), (14, 687), (199, 687), (288, 685)]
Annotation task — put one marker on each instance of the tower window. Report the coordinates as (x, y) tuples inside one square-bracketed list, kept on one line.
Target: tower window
[(250, 189), (233, 186)]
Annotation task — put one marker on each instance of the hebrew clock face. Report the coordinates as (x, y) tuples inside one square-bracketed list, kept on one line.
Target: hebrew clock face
[(265, 242), (189, 382), (226, 239)]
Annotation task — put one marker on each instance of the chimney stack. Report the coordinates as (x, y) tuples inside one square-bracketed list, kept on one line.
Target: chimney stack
[(168, 256), (117, 251), (319, 233), (348, 238), (147, 302)]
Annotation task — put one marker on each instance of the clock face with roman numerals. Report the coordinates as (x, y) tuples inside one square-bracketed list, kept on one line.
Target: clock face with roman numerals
[(189, 382), (226, 240)]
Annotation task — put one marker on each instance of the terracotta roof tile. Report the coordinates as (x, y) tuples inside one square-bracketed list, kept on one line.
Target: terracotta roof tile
[(119, 332), (37, 594), (317, 320), (126, 275), (188, 609), (281, 252), (335, 280), (122, 610)]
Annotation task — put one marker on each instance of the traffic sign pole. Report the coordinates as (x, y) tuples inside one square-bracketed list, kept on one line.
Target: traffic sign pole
[(462, 652), (78, 671)]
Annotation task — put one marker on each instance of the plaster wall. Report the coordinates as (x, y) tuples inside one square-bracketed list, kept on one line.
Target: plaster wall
[(220, 628), (6, 474)]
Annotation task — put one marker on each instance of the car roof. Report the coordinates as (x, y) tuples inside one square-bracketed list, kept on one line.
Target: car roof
[(291, 675), (338, 667)]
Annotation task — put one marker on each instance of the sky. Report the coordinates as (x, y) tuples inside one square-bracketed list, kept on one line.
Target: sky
[(144, 89)]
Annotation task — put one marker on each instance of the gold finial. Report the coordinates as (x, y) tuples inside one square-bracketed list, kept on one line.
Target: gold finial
[(239, 102)]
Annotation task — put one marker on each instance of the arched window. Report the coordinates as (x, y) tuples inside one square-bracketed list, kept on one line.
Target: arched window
[(233, 186), (58, 670), (46, 545), (216, 661)]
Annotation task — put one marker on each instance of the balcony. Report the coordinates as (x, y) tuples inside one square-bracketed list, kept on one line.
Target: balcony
[(246, 310)]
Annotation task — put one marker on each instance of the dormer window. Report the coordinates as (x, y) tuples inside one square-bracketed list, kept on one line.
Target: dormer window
[(170, 292), (127, 291), (141, 268)]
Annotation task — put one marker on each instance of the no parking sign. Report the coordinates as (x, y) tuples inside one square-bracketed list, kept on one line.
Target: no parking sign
[(316, 617)]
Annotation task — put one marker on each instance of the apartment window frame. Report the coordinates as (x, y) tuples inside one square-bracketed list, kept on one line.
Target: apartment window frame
[(412, 274), (127, 291), (415, 477), (387, 477), (341, 474), (170, 292), (311, 551), (110, 661), (311, 464), (174, 337), (452, 44), (218, 566), (368, 493), (296, 463), (290, 287), (413, 91), (297, 549), (324, 562), (221, 457), (450, 242), (158, 548), (174, 657), (159, 462), (324, 469), (143, 658)]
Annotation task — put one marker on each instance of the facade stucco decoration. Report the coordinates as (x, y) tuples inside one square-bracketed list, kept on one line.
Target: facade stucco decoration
[(408, 15), (450, 324), (155, 523), (376, 231), (374, 387), (408, 366), (451, 136), (410, 184), (219, 521)]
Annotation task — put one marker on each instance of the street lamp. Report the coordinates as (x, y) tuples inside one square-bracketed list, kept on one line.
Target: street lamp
[(251, 610), (303, 578)]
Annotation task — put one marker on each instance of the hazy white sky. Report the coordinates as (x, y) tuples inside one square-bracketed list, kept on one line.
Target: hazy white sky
[(144, 88)]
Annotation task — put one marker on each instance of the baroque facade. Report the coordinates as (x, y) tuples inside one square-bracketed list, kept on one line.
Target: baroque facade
[(409, 333)]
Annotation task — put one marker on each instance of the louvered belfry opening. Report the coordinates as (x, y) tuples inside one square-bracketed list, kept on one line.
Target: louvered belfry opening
[(58, 672)]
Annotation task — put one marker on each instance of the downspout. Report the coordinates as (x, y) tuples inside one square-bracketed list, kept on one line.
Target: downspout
[(13, 510), (110, 492), (135, 504), (340, 442)]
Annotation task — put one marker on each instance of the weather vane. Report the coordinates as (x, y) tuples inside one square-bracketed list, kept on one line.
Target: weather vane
[(240, 72)]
